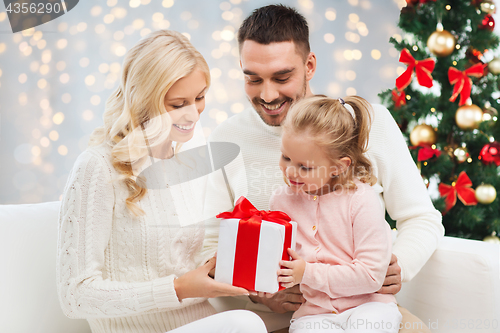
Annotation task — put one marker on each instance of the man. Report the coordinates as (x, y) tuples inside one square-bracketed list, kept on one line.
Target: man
[(278, 65)]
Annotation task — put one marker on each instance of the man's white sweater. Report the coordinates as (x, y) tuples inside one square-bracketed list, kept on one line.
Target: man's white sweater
[(402, 191)]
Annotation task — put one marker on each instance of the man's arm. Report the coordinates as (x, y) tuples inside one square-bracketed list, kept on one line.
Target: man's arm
[(405, 195)]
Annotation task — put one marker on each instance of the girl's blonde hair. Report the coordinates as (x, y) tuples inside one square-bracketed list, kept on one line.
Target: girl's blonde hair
[(337, 132), (150, 68)]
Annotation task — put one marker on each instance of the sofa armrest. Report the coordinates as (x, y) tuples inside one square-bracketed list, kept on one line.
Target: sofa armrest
[(458, 289)]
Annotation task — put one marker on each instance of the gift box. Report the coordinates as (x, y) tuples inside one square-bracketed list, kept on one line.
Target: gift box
[(251, 244)]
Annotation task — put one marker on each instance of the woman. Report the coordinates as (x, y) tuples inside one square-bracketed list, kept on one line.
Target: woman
[(124, 262)]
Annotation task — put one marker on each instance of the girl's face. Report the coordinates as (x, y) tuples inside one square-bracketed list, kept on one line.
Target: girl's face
[(184, 101), (305, 165)]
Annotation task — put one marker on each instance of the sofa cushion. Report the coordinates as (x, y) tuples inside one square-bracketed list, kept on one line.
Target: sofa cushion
[(28, 247), (458, 289)]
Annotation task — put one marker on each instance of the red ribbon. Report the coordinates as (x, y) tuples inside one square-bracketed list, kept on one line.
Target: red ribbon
[(423, 69), (247, 240), (399, 98), (462, 81), (426, 152), (462, 188)]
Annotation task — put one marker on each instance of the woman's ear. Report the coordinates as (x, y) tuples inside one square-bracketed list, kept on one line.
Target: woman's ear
[(341, 166)]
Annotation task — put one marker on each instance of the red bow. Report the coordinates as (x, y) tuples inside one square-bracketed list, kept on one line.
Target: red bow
[(426, 152), (246, 254), (423, 69), (399, 98), (244, 210), (462, 81), (461, 188)]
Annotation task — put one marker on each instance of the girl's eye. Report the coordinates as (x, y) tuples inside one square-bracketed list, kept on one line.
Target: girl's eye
[(200, 98), (285, 158), (305, 168)]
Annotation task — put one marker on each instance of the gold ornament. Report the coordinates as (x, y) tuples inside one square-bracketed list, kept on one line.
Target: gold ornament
[(423, 134), (469, 117), (441, 42), (492, 238), (494, 66), (485, 194), (488, 6), (461, 154)]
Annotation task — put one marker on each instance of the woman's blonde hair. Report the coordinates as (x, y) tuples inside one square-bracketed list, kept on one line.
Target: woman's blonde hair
[(337, 132), (150, 68)]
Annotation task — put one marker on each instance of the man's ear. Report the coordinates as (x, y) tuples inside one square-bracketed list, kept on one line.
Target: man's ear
[(342, 166), (310, 66)]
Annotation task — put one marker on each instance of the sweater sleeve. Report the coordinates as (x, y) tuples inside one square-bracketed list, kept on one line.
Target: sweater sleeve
[(406, 198), (372, 252), (85, 228)]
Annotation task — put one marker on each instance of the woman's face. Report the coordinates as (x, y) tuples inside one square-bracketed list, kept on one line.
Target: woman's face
[(184, 101)]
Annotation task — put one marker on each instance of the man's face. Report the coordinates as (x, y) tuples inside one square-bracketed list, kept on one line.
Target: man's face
[(276, 75)]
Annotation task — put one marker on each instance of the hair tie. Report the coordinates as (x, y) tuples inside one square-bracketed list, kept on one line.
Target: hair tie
[(348, 108)]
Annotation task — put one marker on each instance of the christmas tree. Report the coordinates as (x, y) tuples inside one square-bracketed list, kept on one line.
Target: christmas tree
[(445, 104)]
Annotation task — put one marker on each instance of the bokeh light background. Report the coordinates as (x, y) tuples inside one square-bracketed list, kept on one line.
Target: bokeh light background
[(55, 78)]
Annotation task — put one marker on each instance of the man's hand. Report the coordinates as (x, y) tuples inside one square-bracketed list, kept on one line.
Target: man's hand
[(282, 301), (392, 281)]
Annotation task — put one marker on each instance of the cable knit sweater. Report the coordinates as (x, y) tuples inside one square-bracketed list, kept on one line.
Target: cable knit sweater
[(116, 270), (399, 185)]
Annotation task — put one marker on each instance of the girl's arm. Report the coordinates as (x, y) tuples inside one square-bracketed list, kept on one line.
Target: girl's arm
[(372, 253)]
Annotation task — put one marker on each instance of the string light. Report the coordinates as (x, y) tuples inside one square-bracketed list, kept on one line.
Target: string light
[(57, 82)]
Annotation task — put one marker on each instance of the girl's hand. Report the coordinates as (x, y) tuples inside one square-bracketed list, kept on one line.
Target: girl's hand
[(198, 283), (294, 271)]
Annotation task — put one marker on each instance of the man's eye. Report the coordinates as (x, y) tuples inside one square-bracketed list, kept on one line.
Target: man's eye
[(254, 81), (282, 80)]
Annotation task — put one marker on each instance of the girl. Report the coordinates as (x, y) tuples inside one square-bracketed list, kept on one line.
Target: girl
[(124, 262), (343, 240)]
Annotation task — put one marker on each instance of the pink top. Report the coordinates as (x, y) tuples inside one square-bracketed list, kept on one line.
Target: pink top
[(346, 243)]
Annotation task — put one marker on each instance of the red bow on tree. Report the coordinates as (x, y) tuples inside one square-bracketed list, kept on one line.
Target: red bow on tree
[(461, 188), (423, 69), (426, 152), (462, 81), (399, 98)]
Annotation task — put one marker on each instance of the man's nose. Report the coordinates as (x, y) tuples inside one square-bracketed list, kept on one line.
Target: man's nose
[(269, 92)]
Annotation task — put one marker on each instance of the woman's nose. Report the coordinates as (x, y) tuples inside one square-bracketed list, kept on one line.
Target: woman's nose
[(191, 113)]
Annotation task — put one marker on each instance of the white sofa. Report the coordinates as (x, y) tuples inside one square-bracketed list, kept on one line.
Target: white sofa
[(458, 290)]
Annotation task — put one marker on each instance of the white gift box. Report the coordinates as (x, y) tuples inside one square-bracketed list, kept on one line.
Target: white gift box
[(258, 253)]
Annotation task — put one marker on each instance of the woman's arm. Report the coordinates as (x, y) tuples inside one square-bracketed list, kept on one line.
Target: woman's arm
[(85, 227), (372, 252)]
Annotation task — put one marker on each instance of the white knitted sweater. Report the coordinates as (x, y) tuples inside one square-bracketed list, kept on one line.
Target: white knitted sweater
[(402, 191), (116, 270)]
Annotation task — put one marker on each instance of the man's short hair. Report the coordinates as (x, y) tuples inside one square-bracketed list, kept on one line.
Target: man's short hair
[(276, 23)]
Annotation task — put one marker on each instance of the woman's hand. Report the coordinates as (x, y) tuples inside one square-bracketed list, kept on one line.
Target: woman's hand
[(294, 272), (197, 283)]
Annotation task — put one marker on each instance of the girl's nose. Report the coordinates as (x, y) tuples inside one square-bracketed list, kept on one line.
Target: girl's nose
[(291, 172)]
